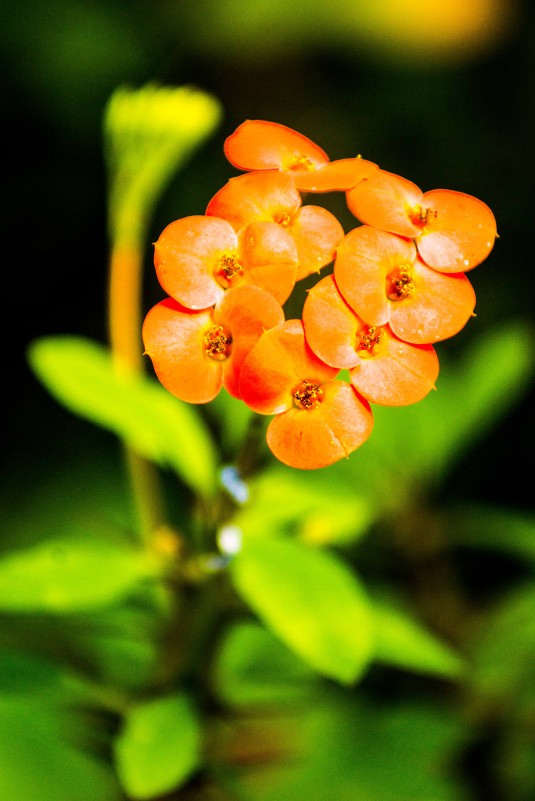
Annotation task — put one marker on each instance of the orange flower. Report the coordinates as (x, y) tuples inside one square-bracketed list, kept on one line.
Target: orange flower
[(195, 353), (382, 368), (262, 145), (382, 278), (319, 420), (198, 258), (454, 232), (272, 197)]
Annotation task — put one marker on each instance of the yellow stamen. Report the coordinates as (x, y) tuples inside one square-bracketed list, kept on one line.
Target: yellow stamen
[(283, 218), (300, 164), (228, 271), (307, 394), (399, 283), (217, 343), (422, 217), (369, 341)]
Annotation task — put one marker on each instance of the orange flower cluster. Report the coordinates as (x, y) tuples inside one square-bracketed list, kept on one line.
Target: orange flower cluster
[(398, 286)]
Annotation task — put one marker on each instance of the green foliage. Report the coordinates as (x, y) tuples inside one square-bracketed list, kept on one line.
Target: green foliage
[(159, 746), (289, 501), (47, 744), (403, 642), (311, 601), (71, 575), (333, 746), (80, 375)]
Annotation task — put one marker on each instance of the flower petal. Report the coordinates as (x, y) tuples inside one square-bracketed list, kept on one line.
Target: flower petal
[(460, 234), (399, 374), (277, 363), (312, 438), (186, 256), (386, 201), (263, 145), (317, 234), (440, 307), (173, 339), (269, 257), (336, 176), (268, 196), (364, 258), (246, 311), (330, 325)]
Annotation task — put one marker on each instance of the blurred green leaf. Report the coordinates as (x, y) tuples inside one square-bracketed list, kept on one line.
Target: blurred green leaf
[(291, 502), (311, 600), (253, 667), (507, 531), (71, 575), (40, 755), (503, 648), (159, 746), (402, 641), (79, 373)]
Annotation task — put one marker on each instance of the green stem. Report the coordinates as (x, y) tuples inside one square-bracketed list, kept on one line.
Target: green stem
[(124, 325)]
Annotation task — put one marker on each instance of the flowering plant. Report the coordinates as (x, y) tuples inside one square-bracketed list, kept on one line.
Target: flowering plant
[(275, 584)]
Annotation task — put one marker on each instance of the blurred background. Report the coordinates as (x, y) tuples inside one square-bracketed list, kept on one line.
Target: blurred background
[(442, 93)]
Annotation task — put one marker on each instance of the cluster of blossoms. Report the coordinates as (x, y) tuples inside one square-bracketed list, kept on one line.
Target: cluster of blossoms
[(398, 286)]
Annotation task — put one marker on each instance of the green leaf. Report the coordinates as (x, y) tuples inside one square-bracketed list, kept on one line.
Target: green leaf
[(402, 641), (253, 667), (311, 600), (503, 647), (290, 502), (80, 374), (159, 746), (71, 575), (41, 757), (507, 531)]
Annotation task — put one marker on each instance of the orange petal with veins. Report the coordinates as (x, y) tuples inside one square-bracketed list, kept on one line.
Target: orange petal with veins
[(386, 201), (173, 339), (317, 233), (364, 258), (245, 311), (267, 196), (263, 145), (187, 255), (440, 307), (312, 438), (460, 233), (277, 363)]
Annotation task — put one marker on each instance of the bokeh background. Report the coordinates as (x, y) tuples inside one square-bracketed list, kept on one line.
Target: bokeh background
[(440, 92)]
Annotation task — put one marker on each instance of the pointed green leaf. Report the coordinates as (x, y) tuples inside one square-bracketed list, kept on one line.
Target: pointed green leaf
[(70, 575), (311, 600), (159, 746), (79, 373), (402, 641)]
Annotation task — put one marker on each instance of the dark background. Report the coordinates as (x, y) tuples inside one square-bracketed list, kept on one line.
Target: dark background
[(445, 111)]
